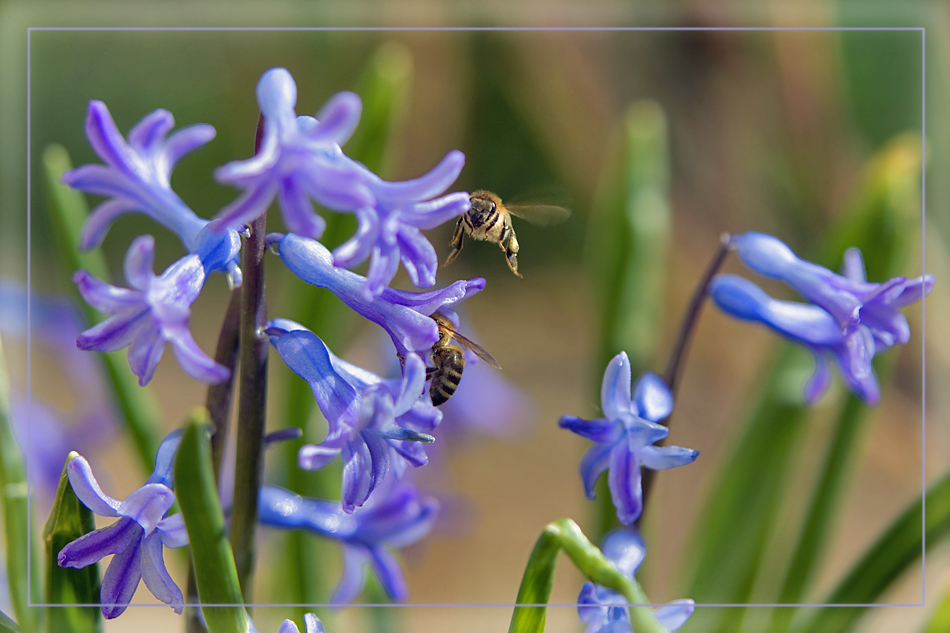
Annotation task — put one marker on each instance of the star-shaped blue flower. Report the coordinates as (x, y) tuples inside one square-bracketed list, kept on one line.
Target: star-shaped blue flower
[(406, 316), (368, 417), (137, 539), (624, 438), (394, 520), (137, 177), (155, 311), (604, 611), (810, 326)]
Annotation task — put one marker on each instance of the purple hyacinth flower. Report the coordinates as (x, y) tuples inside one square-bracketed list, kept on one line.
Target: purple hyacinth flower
[(299, 159), (404, 315), (605, 611), (809, 326), (369, 418), (137, 539), (155, 311), (856, 304), (624, 438), (394, 520), (137, 177), (312, 622)]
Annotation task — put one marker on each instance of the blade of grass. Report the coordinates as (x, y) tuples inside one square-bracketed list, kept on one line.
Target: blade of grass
[(69, 520), (140, 411)]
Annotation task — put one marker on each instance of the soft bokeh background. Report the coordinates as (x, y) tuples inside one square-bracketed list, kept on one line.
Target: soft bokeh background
[(766, 131)]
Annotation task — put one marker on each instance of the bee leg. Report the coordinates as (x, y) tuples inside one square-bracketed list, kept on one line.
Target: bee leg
[(456, 242), (429, 372), (511, 252)]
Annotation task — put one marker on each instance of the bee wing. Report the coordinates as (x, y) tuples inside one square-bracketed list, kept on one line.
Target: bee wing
[(479, 351), (540, 214)]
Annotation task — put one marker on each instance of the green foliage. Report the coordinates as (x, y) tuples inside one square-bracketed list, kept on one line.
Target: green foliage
[(69, 520)]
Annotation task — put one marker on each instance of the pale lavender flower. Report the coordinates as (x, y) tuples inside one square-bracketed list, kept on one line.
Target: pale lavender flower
[(137, 539), (810, 326), (368, 417), (394, 520), (605, 611), (404, 315), (866, 312), (155, 311), (312, 622), (624, 438), (137, 177)]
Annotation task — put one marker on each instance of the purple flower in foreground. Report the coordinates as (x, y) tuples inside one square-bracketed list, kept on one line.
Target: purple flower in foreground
[(368, 417), (137, 177), (137, 539), (866, 312), (398, 519), (624, 439), (300, 159), (312, 622), (404, 315), (604, 611), (154, 312), (809, 326)]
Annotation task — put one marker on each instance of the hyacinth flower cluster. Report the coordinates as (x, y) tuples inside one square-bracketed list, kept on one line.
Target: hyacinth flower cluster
[(846, 318)]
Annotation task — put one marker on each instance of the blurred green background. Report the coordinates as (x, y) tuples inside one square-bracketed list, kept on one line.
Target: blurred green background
[(762, 130)]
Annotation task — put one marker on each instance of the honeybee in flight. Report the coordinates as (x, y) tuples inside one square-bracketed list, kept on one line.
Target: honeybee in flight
[(449, 360), (489, 220)]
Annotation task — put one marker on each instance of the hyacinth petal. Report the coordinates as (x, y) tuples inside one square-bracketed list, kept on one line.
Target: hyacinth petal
[(298, 211), (436, 300), (105, 138), (416, 520), (624, 481), (95, 545), (389, 574), (338, 118), (339, 186), (312, 457), (599, 430), (596, 460), (113, 333), (105, 181), (156, 575), (104, 297), (418, 256), (250, 204), (818, 382), (101, 219), (356, 249), (665, 457), (145, 352), (413, 384), (173, 532), (312, 623), (193, 360), (652, 397), (674, 614), (151, 130), (121, 580), (914, 290), (626, 549), (87, 489), (358, 480), (353, 578), (147, 505), (429, 215), (382, 268), (288, 626), (139, 261), (186, 140), (615, 389), (427, 186), (852, 266), (277, 95)]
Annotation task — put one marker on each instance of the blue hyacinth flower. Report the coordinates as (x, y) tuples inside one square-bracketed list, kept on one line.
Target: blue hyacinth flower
[(300, 159), (604, 611), (810, 326), (137, 539), (155, 311), (624, 438), (397, 519), (371, 420), (137, 177), (404, 315), (863, 310)]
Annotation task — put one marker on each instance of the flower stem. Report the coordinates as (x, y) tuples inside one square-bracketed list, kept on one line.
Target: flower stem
[(253, 397), (677, 356)]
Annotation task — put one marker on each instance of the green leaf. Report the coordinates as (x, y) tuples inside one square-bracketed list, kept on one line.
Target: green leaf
[(140, 412), (629, 246), (24, 587), (538, 579), (68, 520), (939, 622), (894, 551), (6, 624), (215, 571)]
